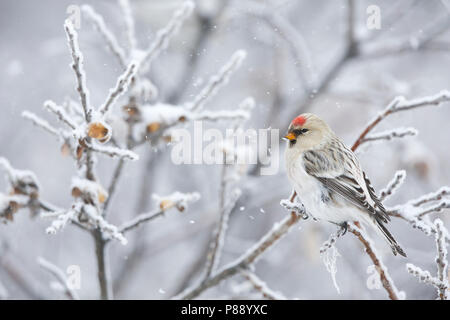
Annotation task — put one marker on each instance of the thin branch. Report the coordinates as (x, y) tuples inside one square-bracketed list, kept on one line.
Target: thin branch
[(129, 22), (217, 81), (399, 104), (107, 35), (393, 185), (386, 280), (60, 113), (121, 86), (391, 134), (140, 219), (245, 260), (113, 151), (261, 286), (441, 259), (164, 35), (77, 66), (41, 123), (60, 277)]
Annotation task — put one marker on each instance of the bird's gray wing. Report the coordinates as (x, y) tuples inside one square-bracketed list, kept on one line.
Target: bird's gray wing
[(337, 177)]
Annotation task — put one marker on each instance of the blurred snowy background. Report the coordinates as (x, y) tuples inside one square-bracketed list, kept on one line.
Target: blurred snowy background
[(408, 56)]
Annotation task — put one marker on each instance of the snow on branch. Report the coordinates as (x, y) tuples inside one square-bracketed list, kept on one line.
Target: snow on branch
[(176, 200), (399, 104), (260, 286), (62, 218), (414, 210), (393, 185), (113, 151), (60, 113), (41, 123), (246, 259), (108, 230), (22, 182), (107, 35), (441, 257), (129, 23), (391, 134), (217, 81), (164, 35), (60, 276), (293, 38), (441, 282), (425, 277), (77, 66), (121, 86)]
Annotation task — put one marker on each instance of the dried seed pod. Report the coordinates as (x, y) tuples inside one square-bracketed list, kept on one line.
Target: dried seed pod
[(65, 149), (102, 197), (166, 204), (153, 127), (76, 192), (100, 131)]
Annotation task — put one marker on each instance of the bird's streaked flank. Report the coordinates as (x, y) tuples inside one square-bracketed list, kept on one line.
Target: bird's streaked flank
[(329, 180)]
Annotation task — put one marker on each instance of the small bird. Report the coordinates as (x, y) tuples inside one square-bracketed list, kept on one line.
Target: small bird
[(329, 180)]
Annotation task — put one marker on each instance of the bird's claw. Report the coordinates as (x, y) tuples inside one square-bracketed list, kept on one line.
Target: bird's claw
[(343, 230)]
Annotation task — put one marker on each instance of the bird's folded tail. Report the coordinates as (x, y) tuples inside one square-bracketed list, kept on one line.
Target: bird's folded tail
[(389, 238)]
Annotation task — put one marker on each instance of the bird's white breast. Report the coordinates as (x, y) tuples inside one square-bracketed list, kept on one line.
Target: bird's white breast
[(310, 190)]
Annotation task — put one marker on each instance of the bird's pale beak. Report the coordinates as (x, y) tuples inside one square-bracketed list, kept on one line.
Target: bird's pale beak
[(290, 136)]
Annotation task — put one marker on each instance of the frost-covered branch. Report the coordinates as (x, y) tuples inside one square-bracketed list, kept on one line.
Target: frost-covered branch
[(41, 123), (106, 34), (60, 276), (122, 83), (217, 81), (391, 134), (426, 277), (60, 113), (393, 185), (129, 23), (164, 35), (77, 66), (399, 104), (441, 257), (260, 286), (23, 191), (248, 258), (113, 151), (293, 38), (415, 210), (178, 200), (385, 278)]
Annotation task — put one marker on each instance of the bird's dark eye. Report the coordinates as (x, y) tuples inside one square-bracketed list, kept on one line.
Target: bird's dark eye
[(299, 132)]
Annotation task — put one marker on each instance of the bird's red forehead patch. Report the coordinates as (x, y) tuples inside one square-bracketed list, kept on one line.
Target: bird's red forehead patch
[(299, 121)]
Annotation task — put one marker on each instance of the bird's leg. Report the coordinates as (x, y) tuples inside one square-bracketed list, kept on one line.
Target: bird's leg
[(343, 230)]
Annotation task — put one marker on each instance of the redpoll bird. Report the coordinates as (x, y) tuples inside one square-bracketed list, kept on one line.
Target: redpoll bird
[(329, 180)]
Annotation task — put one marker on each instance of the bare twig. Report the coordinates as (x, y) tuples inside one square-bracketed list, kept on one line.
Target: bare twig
[(261, 286), (60, 277), (107, 35)]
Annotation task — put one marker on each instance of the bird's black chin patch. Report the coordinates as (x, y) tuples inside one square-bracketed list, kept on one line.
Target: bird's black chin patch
[(292, 142)]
